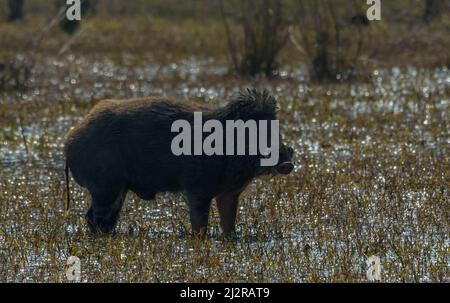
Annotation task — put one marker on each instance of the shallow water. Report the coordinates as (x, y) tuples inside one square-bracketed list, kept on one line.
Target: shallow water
[(371, 178)]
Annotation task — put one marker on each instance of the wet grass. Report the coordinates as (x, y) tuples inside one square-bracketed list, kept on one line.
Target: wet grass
[(372, 178)]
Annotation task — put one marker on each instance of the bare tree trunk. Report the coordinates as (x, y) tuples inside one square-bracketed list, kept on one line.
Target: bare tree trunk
[(432, 10), (88, 7), (15, 10)]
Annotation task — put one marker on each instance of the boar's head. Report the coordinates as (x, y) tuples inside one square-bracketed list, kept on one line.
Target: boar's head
[(262, 107)]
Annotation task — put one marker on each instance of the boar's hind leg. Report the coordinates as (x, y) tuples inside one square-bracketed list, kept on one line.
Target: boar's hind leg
[(199, 212), (227, 205), (105, 208)]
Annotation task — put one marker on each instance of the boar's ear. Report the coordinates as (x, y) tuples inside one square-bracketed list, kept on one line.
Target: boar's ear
[(261, 101)]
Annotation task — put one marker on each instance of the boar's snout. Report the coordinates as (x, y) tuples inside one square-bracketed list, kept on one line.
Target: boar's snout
[(285, 166)]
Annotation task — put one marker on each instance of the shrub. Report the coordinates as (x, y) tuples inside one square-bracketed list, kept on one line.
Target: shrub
[(15, 72), (256, 37), (321, 28)]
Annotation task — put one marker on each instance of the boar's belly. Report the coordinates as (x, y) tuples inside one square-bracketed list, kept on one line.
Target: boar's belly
[(144, 194)]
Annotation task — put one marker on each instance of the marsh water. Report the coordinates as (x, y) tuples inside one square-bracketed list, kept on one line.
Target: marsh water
[(372, 178)]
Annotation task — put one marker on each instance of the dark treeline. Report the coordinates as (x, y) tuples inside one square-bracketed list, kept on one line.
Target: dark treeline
[(330, 34), (17, 9)]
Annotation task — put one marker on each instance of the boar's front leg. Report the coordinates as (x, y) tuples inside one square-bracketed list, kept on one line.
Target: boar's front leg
[(227, 205), (199, 206), (105, 208)]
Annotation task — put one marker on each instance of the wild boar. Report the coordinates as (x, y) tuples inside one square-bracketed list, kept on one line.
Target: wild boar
[(125, 145)]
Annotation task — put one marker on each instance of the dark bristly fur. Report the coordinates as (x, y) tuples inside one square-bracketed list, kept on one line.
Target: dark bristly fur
[(125, 145)]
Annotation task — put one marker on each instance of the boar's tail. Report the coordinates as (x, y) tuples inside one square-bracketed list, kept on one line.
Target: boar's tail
[(67, 186)]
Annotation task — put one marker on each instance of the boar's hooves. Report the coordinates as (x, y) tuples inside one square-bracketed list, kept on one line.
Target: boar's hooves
[(199, 235), (99, 230), (284, 168), (102, 231), (230, 237)]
